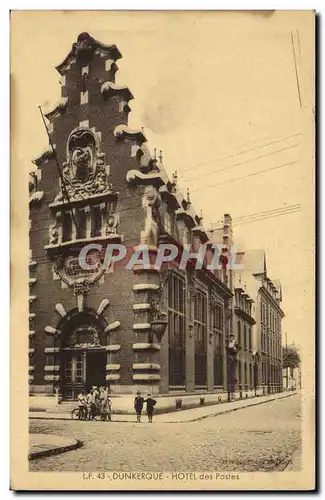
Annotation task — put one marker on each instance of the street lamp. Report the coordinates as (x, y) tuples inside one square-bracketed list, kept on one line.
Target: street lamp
[(231, 348), (256, 359), (158, 327), (159, 316)]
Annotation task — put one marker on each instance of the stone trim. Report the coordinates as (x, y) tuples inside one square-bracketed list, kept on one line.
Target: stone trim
[(31, 368), (60, 309), (32, 281), (30, 378), (83, 98), (103, 305), (145, 286), (31, 298), (105, 50), (32, 263), (146, 366), (31, 350), (113, 347), (109, 89), (112, 326), (112, 368), (141, 307), (32, 315), (36, 197), (141, 326), (61, 106), (125, 133), (51, 350), (146, 376), (52, 331), (145, 346), (31, 333), (52, 368), (52, 378), (113, 376)]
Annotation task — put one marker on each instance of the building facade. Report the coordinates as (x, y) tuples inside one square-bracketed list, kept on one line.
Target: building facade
[(99, 184), (267, 295), (244, 321)]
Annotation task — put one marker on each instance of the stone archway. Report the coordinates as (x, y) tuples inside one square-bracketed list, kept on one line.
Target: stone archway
[(83, 352), (81, 349)]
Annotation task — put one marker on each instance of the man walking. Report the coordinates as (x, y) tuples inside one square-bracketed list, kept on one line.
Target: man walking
[(138, 405), (150, 407)]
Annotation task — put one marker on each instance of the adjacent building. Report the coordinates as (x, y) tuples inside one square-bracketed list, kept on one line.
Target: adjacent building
[(267, 295)]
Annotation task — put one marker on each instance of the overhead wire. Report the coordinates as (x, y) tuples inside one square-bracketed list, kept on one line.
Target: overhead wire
[(241, 152), (288, 212), (204, 174), (246, 176)]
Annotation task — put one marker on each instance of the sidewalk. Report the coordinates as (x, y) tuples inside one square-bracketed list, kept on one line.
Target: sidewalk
[(44, 445), (180, 416)]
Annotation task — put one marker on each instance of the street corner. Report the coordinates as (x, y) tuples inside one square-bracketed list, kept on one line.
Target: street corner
[(45, 445)]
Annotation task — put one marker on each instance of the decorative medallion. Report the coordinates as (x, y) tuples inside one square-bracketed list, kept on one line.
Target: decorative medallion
[(84, 172), (75, 276)]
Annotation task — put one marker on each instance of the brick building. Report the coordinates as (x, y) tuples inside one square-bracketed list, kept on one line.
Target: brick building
[(98, 183), (267, 295), (244, 323), (243, 312)]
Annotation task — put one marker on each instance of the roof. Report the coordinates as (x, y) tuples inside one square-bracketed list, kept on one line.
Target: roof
[(85, 47)]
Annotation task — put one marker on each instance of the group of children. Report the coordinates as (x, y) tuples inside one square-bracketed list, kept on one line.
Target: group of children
[(98, 402), (138, 406)]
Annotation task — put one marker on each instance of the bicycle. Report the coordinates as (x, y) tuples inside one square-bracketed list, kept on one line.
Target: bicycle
[(81, 413)]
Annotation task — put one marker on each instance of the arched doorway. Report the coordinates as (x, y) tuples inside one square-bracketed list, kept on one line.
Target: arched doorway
[(83, 352)]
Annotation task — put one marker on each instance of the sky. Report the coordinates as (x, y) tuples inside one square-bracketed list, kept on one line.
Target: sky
[(218, 93)]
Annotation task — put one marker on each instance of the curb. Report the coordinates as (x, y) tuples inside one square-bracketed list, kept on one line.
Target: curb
[(211, 415), (231, 410), (55, 451)]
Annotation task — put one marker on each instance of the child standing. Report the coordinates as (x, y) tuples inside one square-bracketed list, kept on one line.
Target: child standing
[(150, 407), (138, 405)]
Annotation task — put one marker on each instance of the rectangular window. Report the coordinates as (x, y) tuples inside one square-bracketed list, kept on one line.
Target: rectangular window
[(245, 337), (200, 328), (95, 221), (81, 224), (168, 222), (176, 330), (250, 338), (216, 319), (66, 226), (239, 332)]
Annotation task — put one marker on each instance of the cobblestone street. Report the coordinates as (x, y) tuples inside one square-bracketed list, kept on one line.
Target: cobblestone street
[(260, 438)]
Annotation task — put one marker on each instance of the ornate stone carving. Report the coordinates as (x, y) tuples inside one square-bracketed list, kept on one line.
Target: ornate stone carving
[(157, 302), (84, 48), (81, 287), (192, 283), (88, 331), (54, 235), (151, 203), (111, 222), (84, 172), (213, 301)]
